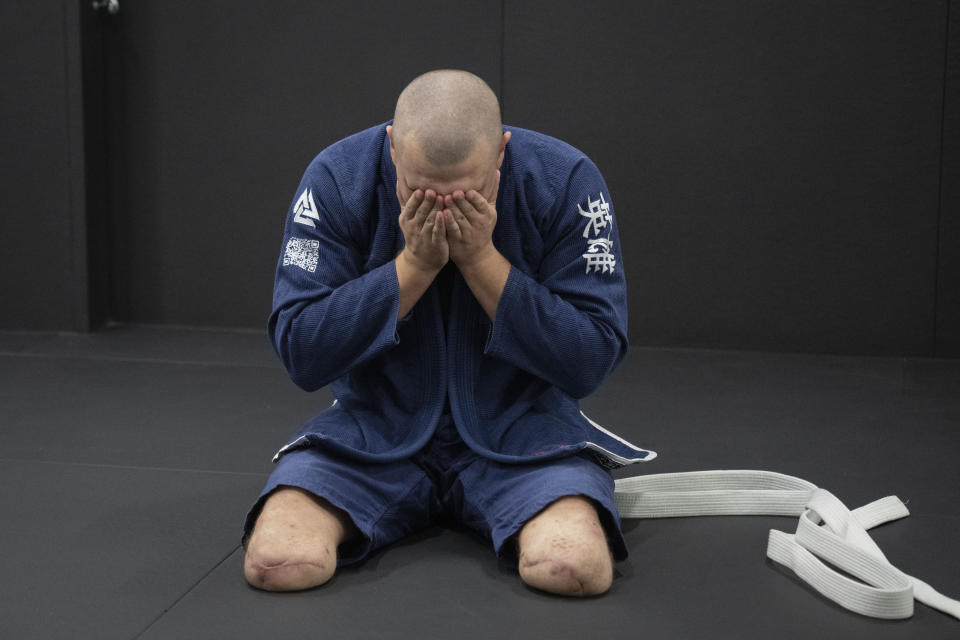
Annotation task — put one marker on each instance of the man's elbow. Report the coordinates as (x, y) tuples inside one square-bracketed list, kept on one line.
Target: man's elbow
[(587, 379), (306, 382), (583, 386), (302, 371), (584, 382)]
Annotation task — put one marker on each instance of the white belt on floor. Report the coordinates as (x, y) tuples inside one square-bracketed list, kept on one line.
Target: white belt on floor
[(828, 531)]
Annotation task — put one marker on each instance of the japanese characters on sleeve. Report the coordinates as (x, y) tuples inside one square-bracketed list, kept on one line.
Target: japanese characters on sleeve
[(568, 325)]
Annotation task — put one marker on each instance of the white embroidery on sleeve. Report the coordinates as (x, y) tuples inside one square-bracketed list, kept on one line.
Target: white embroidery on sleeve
[(303, 253), (599, 255), (305, 209)]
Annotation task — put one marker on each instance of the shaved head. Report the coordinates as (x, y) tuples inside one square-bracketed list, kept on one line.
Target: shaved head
[(447, 113)]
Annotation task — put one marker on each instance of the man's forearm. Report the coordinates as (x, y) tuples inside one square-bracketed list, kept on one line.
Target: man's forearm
[(414, 280), (486, 277)]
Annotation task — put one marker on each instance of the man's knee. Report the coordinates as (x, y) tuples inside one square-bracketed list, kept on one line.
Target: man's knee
[(294, 543), (567, 575), (276, 569), (564, 550), (568, 568)]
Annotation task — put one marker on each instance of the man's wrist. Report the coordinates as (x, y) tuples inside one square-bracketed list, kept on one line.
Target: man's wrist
[(413, 280), (479, 261), (417, 268), (487, 277)]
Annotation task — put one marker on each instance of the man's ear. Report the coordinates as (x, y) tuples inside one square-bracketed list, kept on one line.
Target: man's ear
[(393, 150), (503, 146)]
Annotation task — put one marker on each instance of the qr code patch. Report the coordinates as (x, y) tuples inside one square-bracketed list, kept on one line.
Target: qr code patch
[(302, 253)]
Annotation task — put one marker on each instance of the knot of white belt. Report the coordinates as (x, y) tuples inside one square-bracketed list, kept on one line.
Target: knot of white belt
[(827, 531)]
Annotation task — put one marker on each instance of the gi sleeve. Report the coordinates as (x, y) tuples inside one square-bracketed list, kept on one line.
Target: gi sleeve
[(329, 316), (568, 325)]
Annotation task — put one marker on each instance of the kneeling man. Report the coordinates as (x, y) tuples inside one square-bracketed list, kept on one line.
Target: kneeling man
[(458, 286)]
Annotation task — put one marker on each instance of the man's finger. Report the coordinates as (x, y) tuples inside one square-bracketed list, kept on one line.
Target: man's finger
[(456, 209), (478, 201), (439, 230), (453, 227), (427, 206), (410, 209), (466, 208)]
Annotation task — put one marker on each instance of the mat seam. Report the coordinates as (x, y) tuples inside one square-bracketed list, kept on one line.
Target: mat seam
[(186, 593), (134, 467), (200, 363)]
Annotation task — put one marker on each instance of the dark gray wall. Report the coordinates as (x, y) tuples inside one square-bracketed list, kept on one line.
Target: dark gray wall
[(948, 289), (223, 104), (775, 165), (785, 174), (43, 269)]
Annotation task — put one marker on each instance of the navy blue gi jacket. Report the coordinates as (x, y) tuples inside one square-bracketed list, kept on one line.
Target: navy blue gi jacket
[(512, 384)]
